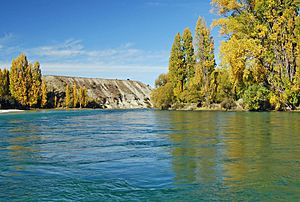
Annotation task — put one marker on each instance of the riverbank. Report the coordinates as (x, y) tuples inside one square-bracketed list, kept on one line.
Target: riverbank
[(6, 111)]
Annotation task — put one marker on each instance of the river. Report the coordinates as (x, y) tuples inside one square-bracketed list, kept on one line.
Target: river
[(149, 155)]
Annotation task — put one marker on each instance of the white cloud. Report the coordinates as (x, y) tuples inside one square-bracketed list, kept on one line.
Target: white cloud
[(155, 3), (69, 48), (74, 50), (8, 44), (71, 57)]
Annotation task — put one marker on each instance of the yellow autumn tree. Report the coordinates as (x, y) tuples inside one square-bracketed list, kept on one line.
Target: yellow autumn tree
[(67, 99), (75, 97)]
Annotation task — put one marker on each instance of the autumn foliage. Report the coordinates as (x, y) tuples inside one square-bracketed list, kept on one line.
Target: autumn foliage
[(260, 58)]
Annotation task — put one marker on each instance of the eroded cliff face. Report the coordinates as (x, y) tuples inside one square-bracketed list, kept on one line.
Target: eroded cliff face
[(102, 93)]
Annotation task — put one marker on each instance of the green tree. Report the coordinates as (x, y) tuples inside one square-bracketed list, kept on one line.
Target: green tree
[(177, 72), (75, 97), (205, 59), (188, 54), (67, 96), (256, 98)]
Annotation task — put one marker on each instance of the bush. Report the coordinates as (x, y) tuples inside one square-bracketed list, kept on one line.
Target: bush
[(256, 98), (7, 102), (228, 104), (163, 96)]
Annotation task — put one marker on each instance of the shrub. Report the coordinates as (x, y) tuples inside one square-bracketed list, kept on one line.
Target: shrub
[(256, 98), (228, 104)]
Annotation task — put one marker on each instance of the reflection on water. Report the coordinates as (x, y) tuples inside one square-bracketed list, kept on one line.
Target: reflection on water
[(253, 153), (123, 155)]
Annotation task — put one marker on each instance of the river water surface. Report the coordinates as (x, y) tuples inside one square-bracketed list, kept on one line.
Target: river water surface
[(148, 155)]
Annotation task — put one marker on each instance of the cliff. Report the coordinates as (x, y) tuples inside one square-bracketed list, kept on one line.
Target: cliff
[(102, 93)]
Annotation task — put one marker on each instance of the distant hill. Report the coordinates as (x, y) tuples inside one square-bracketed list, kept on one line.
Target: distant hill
[(102, 93)]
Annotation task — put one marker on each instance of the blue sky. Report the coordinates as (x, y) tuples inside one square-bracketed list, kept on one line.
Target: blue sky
[(97, 38)]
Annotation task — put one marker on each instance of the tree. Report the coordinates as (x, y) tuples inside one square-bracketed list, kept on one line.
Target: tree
[(18, 79), (262, 47), (25, 81), (35, 88), (177, 72), (188, 55), (4, 82), (67, 96), (163, 96), (204, 56), (75, 98), (44, 95), (82, 96), (161, 80), (256, 98)]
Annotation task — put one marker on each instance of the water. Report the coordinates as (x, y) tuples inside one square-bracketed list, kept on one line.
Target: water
[(148, 155)]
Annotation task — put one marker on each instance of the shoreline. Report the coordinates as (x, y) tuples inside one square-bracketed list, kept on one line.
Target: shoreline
[(203, 109), (8, 111)]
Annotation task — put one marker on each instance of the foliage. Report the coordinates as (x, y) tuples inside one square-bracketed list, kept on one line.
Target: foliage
[(4, 83), (67, 99), (44, 95), (177, 72), (262, 48), (23, 87), (228, 104), (189, 70), (82, 97), (35, 87), (25, 81), (161, 80), (163, 96), (75, 97), (205, 59), (256, 98), (260, 58), (188, 55)]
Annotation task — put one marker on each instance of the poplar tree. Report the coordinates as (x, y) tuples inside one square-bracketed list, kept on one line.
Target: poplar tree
[(44, 95), (204, 56), (35, 87), (75, 97), (177, 70), (82, 96), (20, 74), (4, 82), (67, 96), (25, 81), (188, 54)]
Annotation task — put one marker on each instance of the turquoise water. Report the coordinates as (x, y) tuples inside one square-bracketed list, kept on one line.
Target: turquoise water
[(148, 155)]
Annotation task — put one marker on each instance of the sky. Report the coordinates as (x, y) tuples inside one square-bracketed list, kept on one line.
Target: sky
[(124, 39)]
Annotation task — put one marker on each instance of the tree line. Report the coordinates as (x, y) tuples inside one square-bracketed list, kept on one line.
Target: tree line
[(23, 87), (260, 59)]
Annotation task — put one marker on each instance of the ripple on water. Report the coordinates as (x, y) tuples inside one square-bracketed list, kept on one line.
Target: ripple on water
[(149, 155)]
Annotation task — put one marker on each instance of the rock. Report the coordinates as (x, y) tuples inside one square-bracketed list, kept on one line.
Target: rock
[(102, 93)]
